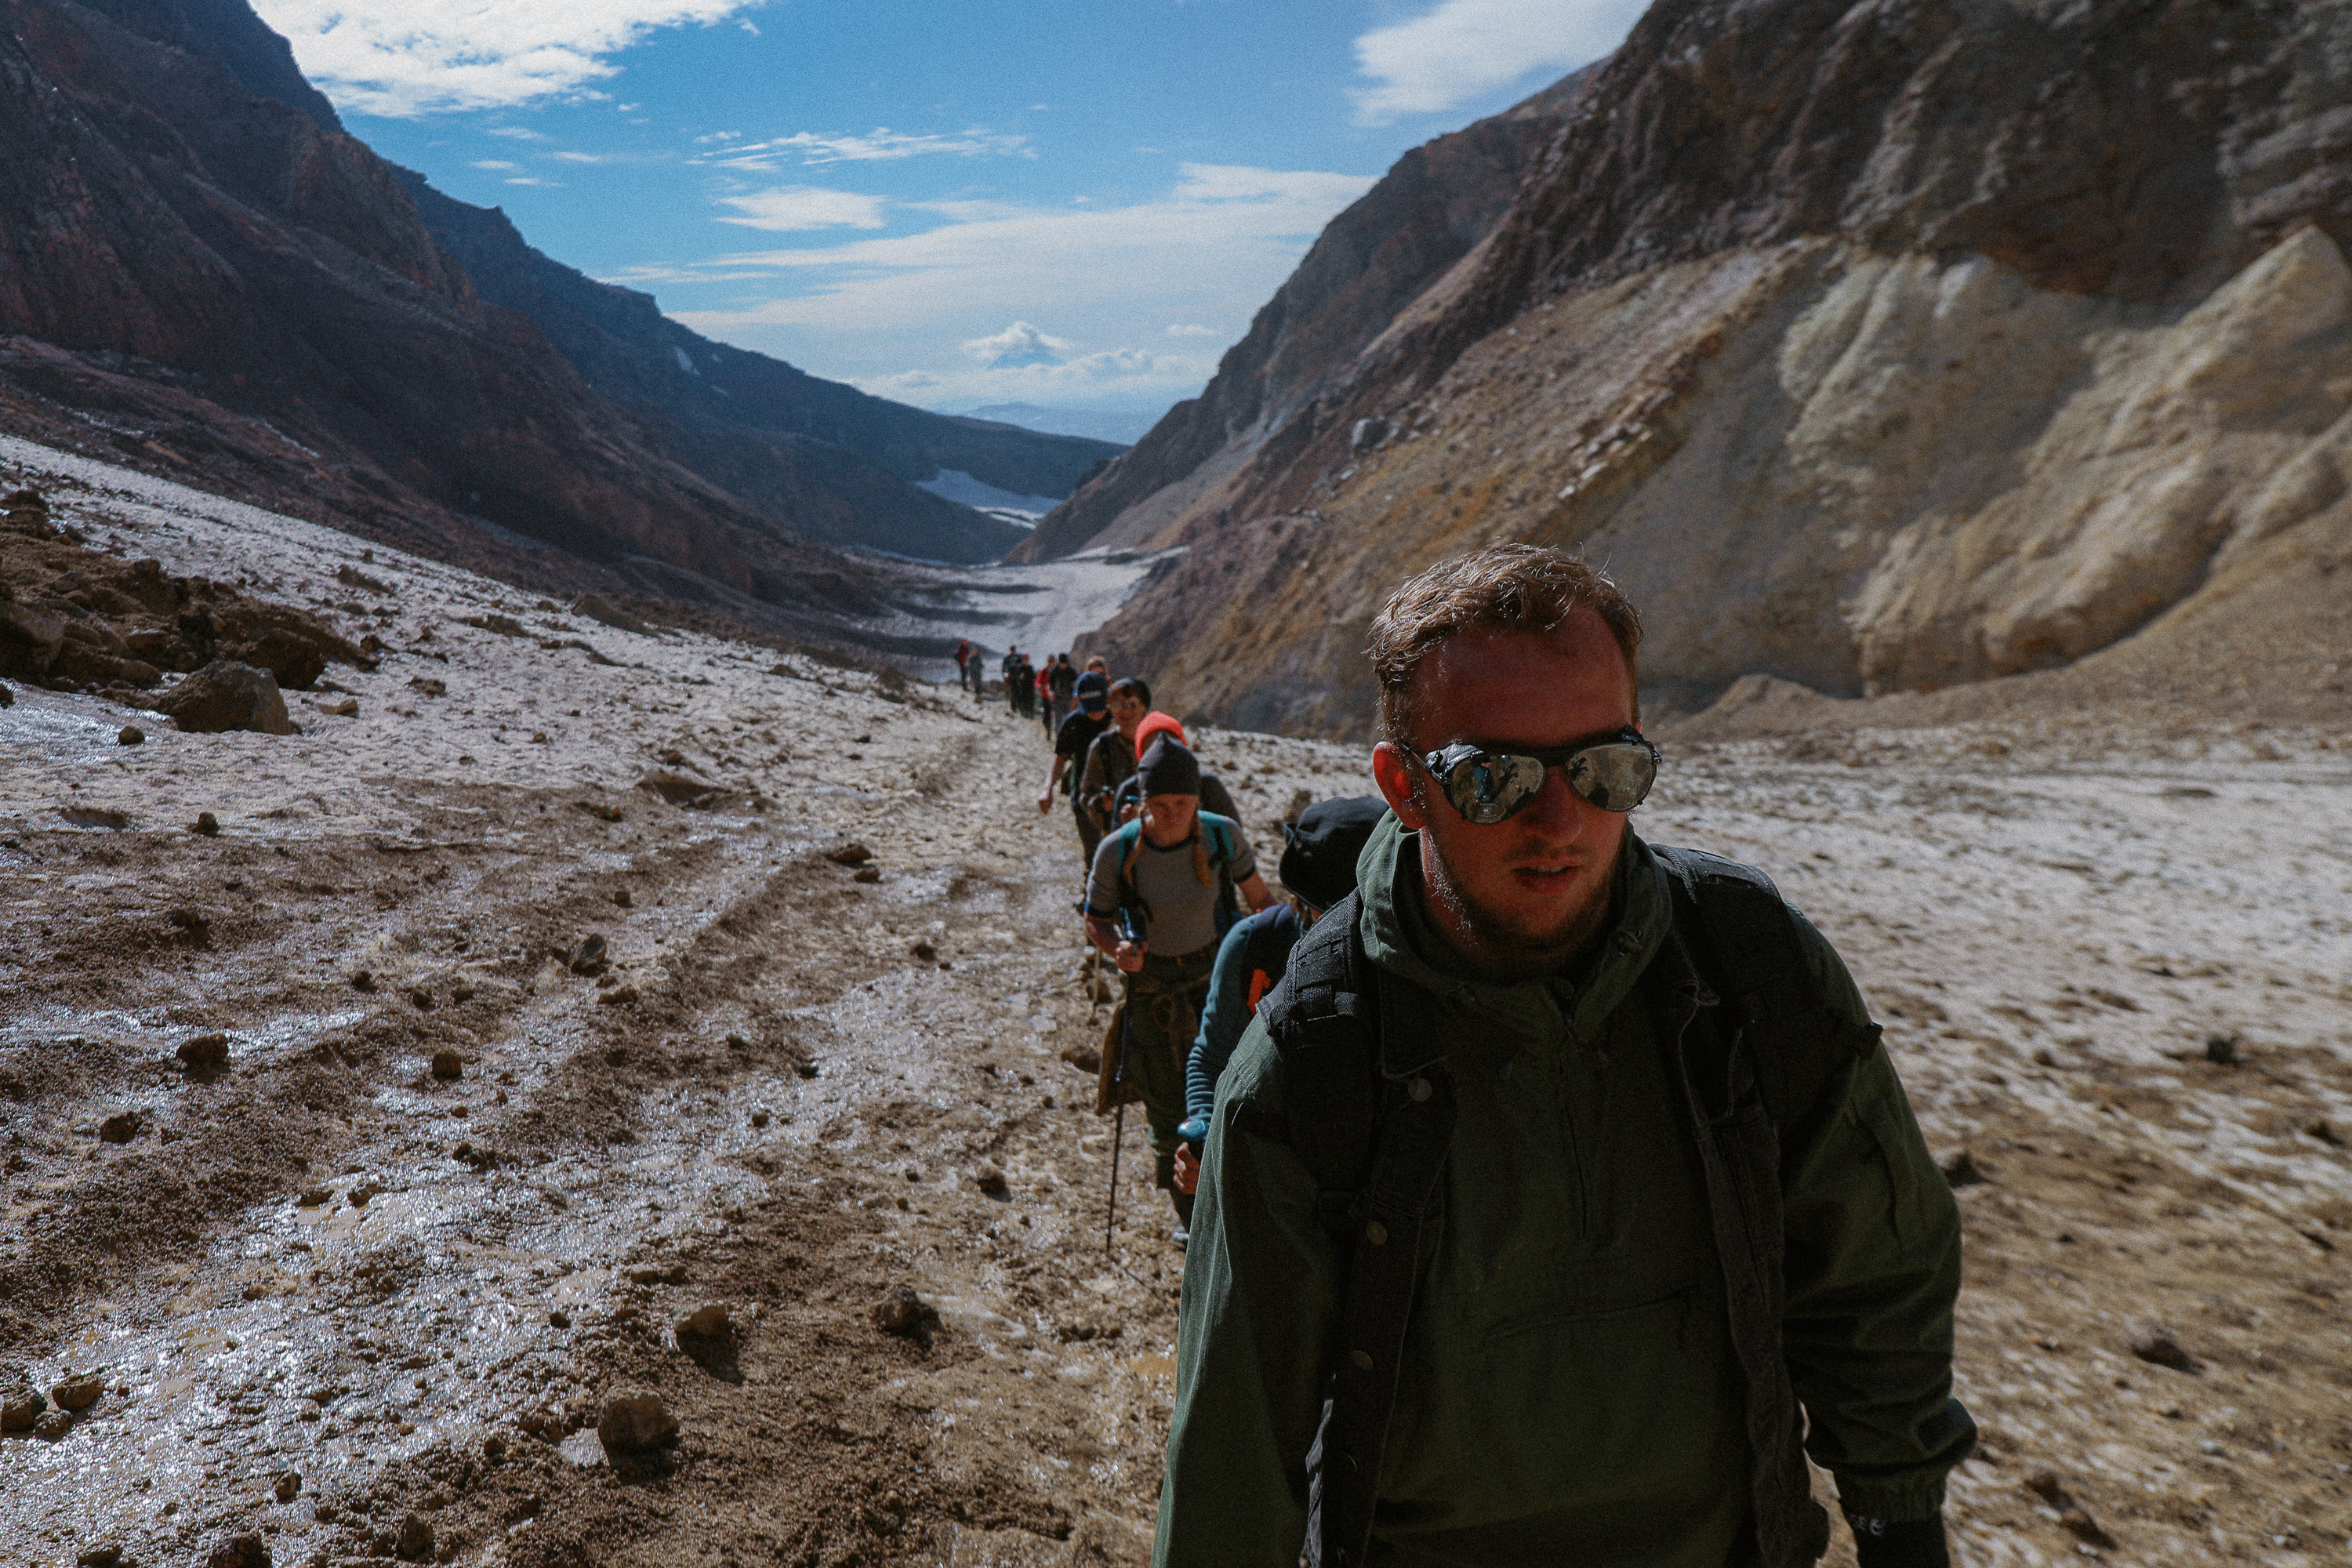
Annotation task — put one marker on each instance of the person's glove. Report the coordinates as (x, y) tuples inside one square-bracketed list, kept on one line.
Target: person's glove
[(1903, 1543)]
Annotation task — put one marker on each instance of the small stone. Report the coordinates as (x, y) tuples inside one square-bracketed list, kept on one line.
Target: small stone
[(850, 855), (1960, 1170), (588, 958), (447, 1065), (494, 1448), (20, 1406), (52, 1424), (2222, 1050), (705, 1322), (2073, 1516), (205, 1050), (867, 874), (245, 1549), (559, 1318), (621, 897), (416, 1538), (1086, 1058), (2158, 1348), (991, 1181), (79, 1391), (207, 824), (107, 1556), (925, 953), (461, 994), (619, 996), (130, 735), (633, 1421), (906, 1314), (121, 1127), (645, 1274), (288, 1487), (422, 998), (362, 981), (760, 1117)]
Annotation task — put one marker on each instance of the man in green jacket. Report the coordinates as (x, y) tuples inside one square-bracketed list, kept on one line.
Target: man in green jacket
[(1577, 1381)]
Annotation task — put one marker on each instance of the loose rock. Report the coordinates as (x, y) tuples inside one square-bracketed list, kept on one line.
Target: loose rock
[(20, 1405), (867, 874), (2222, 1050), (225, 696), (207, 824), (1960, 1170), (706, 1322), (130, 735), (850, 855), (244, 1550), (121, 1127), (588, 958), (2158, 1348), (52, 1424), (925, 953), (420, 999), (447, 1065), (206, 1051), (362, 981), (416, 1538), (288, 1488), (991, 1181), (79, 1391), (1086, 1058), (2073, 1516), (906, 1314), (634, 1421), (106, 1556)]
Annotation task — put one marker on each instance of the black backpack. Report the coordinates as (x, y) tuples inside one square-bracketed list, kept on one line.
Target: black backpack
[(1371, 1112)]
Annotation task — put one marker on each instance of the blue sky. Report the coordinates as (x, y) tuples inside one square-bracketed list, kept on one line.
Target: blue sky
[(1073, 204)]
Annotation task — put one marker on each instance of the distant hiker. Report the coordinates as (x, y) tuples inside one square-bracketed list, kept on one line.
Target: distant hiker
[(1061, 681), (1168, 876), (1004, 668), (1075, 734), (1561, 1199), (1317, 870), (1112, 755), (965, 655), (1046, 698), (1129, 797)]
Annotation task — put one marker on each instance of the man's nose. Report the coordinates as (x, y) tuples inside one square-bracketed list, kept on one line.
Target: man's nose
[(1557, 812)]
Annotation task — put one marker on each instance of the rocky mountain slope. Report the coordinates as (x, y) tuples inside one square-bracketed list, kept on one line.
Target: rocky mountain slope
[(1876, 348), (1429, 211), (835, 460), (201, 274)]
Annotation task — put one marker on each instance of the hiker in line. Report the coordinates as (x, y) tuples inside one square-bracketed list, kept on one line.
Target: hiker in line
[(1061, 681), (1070, 742), (1317, 870), (1128, 799), (1112, 755), (1169, 877), (1005, 668), (963, 656), (1567, 1168), (1046, 698), (1020, 686)]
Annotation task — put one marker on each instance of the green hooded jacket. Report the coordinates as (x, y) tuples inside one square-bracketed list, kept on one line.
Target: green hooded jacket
[(1570, 1392)]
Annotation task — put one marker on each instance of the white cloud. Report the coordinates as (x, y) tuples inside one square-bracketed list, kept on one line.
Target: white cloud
[(494, 164), (791, 207), (869, 309), (535, 180), (406, 57), (583, 158), (517, 134), (1019, 347), (882, 145), (1460, 49), (1191, 329)]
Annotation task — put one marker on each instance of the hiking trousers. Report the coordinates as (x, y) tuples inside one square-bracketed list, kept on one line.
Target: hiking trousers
[(1163, 1013)]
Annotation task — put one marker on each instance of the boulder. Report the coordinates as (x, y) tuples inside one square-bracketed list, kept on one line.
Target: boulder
[(29, 638), (226, 695)]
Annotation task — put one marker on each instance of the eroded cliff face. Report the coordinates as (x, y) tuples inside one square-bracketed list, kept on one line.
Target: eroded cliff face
[(1877, 348)]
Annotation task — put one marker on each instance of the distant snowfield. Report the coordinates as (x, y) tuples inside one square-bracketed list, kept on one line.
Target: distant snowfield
[(955, 485), (1045, 607)]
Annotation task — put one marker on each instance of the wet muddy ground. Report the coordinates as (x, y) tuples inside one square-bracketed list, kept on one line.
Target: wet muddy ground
[(362, 1309)]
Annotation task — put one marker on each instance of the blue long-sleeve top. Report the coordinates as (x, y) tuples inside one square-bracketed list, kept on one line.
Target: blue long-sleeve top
[(1253, 956)]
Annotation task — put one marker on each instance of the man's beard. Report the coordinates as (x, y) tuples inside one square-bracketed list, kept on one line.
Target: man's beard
[(1510, 949)]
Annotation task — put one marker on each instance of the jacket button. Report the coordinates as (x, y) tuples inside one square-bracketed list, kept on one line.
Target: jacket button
[(1419, 1089), (1377, 1234), (1363, 1359)]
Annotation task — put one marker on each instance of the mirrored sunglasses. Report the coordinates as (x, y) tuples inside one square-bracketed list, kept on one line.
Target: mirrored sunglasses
[(1487, 786)]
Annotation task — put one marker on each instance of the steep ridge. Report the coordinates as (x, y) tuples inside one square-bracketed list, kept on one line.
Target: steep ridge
[(1876, 348), (841, 465), (1429, 211)]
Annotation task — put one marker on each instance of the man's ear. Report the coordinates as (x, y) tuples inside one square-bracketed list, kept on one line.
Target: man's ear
[(1393, 772)]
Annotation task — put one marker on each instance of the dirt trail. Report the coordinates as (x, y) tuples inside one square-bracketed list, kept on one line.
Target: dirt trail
[(790, 1090)]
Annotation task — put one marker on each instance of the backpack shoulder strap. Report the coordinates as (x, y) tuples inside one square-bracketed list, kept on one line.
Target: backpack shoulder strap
[(1377, 1147), (1744, 941)]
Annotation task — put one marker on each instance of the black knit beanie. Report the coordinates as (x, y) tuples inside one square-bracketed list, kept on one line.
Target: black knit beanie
[(1169, 768)]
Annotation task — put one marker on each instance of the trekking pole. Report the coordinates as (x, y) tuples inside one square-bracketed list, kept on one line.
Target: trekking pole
[(1118, 1100)]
